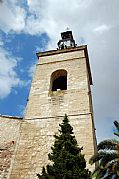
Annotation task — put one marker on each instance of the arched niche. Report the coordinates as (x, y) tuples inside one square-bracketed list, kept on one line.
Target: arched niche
[(59, 80)]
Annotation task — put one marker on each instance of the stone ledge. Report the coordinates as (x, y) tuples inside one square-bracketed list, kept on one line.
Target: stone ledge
[(12, 117)]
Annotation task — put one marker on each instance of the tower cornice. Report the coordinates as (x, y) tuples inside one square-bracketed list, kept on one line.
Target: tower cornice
[(67, 50), (54, 52)]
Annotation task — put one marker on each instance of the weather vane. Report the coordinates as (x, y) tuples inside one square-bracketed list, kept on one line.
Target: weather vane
[(67, 29)]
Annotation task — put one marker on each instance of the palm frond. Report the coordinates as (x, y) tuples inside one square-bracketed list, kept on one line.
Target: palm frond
[(108, 158), (116, 133), (99, 172), (116, 123), (113, 167), (109, 144), (109, 176), (97, 157)]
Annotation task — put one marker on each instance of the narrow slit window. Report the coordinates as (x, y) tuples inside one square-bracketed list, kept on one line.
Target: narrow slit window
[(59, 80)]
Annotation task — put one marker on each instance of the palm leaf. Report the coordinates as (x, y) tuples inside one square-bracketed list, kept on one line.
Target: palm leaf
[(97, 157), (116, 123), (109, 157), (107, 145), (99, 172)]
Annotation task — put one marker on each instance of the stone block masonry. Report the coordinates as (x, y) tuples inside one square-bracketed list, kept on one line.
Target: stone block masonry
[(46, 109), (9, 134), (37, 138)]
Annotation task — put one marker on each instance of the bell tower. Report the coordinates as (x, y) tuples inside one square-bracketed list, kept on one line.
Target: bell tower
[(61, 85)]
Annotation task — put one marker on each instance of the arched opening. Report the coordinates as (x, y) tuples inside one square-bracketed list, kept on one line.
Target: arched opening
[(59, 80)]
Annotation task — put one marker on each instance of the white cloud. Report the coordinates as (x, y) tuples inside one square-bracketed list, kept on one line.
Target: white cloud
[(1, 41), (31, 70), (12, 17), (101, 28), (21, 109), (8, 75), (97, 22)]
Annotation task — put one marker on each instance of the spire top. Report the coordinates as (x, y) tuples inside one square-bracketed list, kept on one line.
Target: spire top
[(67, 29)]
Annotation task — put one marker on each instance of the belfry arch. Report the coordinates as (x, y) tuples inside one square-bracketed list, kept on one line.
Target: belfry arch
[(58, 80)]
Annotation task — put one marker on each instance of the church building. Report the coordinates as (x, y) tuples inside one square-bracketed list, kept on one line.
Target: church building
[(61, 85)]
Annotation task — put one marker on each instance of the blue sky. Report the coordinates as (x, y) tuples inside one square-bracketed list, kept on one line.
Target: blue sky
[(29, 26), (23, 48)]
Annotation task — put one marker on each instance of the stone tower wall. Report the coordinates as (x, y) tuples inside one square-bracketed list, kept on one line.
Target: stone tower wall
[(9, 134), (75, 100), (45, 111)]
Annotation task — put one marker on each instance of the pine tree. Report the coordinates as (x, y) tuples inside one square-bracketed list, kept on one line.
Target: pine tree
[(68, 162)]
